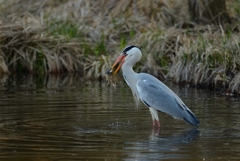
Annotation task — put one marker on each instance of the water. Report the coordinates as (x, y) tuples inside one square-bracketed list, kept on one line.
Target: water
[(67, 118)]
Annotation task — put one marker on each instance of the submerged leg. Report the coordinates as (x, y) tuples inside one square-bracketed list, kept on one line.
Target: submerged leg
[(155, 118)]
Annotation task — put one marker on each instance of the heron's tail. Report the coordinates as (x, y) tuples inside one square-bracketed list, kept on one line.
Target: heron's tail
[(191, 118)]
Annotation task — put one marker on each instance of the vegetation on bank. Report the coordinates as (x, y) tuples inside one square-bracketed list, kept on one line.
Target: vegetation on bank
[(57, 36)]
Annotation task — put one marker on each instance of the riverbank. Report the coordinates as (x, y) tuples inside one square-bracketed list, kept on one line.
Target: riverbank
[(86, 37)]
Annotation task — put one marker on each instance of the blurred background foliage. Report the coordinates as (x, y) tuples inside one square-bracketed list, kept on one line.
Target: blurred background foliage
[(194, 41)]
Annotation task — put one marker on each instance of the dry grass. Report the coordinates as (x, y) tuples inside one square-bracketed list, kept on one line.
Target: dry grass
[(207, 59), (55, 36)]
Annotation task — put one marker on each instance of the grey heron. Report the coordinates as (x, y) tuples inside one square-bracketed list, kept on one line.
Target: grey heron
[(151, 91)]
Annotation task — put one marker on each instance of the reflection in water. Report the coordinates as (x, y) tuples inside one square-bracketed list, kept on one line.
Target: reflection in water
[(68, 118), (169, 147)]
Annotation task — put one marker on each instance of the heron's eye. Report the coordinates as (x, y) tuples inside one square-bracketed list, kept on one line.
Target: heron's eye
[(125, 53)]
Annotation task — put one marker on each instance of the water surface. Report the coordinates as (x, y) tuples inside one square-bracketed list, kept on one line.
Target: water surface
[(67, 118)]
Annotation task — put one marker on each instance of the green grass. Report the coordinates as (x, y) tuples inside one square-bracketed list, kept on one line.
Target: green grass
[(68, 29), (100, 47)]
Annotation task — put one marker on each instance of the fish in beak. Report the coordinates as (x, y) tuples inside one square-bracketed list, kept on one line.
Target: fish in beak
[(117, 65)]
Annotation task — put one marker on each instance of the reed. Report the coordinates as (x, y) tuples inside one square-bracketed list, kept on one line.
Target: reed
[(56, 36), (208, 59)]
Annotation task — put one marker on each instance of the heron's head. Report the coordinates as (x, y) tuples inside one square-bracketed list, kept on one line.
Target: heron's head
[(125, 56)]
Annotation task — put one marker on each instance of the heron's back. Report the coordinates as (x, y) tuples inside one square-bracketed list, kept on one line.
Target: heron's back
[(162, 98)]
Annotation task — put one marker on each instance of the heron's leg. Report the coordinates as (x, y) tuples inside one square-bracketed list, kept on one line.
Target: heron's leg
[(154, 114)]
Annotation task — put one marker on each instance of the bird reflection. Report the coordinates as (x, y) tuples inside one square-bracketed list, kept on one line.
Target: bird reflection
[(163, 147), (188, 134)]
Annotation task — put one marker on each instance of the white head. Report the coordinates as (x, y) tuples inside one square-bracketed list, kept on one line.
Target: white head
[(130, 55)]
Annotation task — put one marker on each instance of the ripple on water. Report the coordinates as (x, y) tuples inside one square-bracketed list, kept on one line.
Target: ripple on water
[(90, 122)]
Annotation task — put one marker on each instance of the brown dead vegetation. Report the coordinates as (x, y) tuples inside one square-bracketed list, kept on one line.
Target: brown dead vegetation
[(56, 36)]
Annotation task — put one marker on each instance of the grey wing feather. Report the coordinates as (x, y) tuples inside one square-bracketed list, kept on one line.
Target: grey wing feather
[(159, 96)]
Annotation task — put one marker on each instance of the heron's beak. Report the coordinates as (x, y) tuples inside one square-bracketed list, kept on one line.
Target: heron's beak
[(117, 65)]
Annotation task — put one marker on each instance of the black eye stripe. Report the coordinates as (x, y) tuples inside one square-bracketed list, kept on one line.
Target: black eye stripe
[(129, 48)]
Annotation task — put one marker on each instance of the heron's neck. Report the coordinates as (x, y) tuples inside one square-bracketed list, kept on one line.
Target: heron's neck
[(131, 79), (129, 75)]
